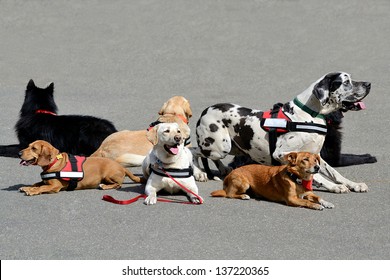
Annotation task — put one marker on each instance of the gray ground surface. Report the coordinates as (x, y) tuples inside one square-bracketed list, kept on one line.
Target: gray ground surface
[(121, 60)]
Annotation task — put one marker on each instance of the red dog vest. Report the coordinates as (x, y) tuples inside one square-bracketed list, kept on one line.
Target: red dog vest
[(72, 172)]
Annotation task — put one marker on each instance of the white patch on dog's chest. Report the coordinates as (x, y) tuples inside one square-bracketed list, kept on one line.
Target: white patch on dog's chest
[(169, 185)]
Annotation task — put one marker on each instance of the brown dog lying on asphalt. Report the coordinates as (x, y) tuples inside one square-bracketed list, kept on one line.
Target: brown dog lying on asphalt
[(95, 172), (290, 184), (129, 148)]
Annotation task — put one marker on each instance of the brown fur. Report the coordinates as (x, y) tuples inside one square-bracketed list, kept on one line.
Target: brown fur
[(273, 182), (96, 170), (119, 145)]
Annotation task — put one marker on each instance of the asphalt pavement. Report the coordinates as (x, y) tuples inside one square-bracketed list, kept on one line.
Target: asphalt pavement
[(121, 60)]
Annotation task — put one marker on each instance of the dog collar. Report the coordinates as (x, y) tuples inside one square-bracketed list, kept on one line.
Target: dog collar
[(306, 184), (45, 112), (59, 156), (183, 118), (153, 124), (311, 112)]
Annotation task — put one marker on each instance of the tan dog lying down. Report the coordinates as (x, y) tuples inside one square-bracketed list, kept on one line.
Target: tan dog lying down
[(129, 148), (98, 172), (277, 183)]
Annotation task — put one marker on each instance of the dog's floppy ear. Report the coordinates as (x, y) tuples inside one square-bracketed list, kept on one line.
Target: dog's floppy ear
[(329, 83), (321, 91), (318, 158), (185, 130), (152, 135), (46, 152), (44, 155), (163, 108), (291, 157), (187, 109)]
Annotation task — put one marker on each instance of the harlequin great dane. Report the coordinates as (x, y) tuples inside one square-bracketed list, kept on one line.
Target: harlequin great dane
[(232, 129)]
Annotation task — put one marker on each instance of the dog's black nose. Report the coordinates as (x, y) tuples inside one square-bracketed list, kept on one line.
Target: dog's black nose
[(367, 85), (177, 138), (316, 168)]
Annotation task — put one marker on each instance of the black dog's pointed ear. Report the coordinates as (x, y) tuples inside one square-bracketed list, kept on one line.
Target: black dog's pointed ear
[(50, 87), (31, 84)]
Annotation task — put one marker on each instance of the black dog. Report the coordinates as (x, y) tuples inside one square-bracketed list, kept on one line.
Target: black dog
[(74, 134)]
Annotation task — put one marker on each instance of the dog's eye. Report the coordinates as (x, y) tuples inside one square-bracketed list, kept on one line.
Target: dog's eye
[(166, 131), (306, 159), (178, 131)]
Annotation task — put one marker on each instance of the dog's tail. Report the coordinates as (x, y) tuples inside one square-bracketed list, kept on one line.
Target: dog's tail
[(219, 193), (134, 178), (10, 150)]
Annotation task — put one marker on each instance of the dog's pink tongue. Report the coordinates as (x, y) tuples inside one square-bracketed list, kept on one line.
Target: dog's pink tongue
[(23, 162), (360, 105), (174, 150)]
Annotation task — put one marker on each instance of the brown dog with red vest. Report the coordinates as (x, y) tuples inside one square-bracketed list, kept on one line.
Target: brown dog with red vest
[(96, 172), (290, 184)]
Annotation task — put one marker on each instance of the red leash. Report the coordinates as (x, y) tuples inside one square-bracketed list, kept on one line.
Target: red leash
[(132, 200)]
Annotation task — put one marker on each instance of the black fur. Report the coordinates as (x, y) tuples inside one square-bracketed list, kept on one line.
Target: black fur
[(74, 134), (331, 150)]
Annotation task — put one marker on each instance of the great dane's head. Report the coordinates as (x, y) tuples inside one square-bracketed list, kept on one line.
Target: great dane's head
[(337, 91)]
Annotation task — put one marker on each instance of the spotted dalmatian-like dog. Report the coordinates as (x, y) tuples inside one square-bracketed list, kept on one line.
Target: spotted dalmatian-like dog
[(232, 129)]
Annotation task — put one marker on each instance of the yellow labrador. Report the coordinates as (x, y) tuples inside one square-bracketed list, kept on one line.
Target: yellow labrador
[(129, 148)]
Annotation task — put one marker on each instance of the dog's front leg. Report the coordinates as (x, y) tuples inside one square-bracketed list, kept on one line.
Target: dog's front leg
[(333, 181), (299, 202), (199, 175), (322, 182), (40, 188), (31, 190), (316, 199), (191, 185), (151, 193)]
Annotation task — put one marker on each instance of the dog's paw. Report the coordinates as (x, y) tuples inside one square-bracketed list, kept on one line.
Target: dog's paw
[(245, 197), (195, 200), (201, 177), (216, 178), (24, 189), (359, 187), (29, 190), (341, 188), (150, 200), (326, 204), (320, 207)]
